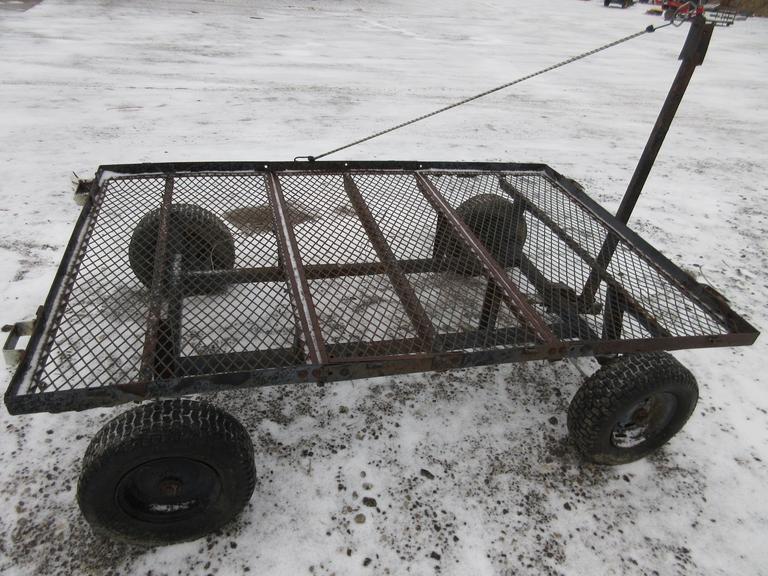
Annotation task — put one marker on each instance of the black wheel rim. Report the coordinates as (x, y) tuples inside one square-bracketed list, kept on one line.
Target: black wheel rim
[(168, 490), (645, 421)]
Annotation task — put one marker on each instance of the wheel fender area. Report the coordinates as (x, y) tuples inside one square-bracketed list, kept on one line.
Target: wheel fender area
[(202, 239), (167, 432), (496, 222), (614, 389)]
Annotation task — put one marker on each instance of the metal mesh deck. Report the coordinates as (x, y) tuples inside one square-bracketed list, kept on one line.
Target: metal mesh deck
[(187, 278)]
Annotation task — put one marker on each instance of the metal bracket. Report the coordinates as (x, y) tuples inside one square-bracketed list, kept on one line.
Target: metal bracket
[(12, 355), (83, 191)]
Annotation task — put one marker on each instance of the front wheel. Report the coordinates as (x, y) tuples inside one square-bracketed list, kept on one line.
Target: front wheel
[(166, 472), (496, 222), (630, 407)]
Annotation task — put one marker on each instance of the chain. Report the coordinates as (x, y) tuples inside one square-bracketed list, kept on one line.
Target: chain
[(647, 30)]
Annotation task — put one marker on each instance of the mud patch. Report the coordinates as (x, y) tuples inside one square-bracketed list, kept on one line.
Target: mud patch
[(251, 220), (31, 256)]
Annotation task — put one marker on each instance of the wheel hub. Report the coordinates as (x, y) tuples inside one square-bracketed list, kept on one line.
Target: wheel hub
[(168, 490), (170, 486), (644, 420)]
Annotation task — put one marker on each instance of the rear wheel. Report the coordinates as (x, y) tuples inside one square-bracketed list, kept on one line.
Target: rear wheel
[(496, 222), (166, 472), (199, 236), (630, 407)]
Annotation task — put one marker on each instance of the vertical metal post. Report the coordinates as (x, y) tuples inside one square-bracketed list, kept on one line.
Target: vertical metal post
[(169, 331), (491, 304), (692, 56)]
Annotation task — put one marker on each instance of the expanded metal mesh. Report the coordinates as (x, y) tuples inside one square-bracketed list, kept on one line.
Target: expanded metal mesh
[(98, 329), (452, 292), (194, 274), (353, 311), (556, 273), (721, 16)]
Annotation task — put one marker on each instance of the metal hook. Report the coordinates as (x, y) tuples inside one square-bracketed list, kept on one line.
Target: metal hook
[(678, 17)]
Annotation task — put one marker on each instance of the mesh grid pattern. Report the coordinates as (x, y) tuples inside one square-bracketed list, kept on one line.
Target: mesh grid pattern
[(103, 324), (352, 310), (243, 317), (189, 280), (550, 214), (452, 296)]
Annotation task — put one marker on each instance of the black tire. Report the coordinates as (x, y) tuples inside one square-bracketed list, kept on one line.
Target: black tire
[(606, 3), (166, 472), (495, 221), (202, 239), (630, 407)]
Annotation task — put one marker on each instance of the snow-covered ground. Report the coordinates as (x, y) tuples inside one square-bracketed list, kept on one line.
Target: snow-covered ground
[(84, 83)]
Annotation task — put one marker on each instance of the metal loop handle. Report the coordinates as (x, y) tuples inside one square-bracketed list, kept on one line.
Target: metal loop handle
[(678, 17)]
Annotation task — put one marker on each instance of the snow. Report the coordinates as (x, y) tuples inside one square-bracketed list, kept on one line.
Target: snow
[(104, 82)]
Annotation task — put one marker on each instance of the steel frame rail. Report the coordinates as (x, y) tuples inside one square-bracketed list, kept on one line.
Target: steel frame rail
[(326, 363)]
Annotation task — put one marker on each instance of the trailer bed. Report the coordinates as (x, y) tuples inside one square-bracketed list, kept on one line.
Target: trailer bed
[(342, 270)]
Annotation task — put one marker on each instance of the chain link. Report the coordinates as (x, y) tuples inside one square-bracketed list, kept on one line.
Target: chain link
[(647, 30)]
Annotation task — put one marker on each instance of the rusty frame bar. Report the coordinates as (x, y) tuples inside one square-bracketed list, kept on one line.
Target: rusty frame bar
[(405, 292), (318, 271), (147, 369), (645, 318), (489, 312), (703, 295), (83, 399), (25, 394), (170, 328), (49, 315), (294, 273), (692, 56), (552, 298), (515, 299)]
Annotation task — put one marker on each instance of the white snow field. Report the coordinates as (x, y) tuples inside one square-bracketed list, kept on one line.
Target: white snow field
[(84, 83)]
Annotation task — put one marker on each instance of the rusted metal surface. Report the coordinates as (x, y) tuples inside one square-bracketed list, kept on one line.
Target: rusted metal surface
[(421, 322), (146, 371), (511, 293), (318, 271), (276, 273), (622, 301), (294, 273), (692, 56)]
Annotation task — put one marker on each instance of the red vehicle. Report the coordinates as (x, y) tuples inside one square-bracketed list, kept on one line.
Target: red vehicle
[(688, 9)]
